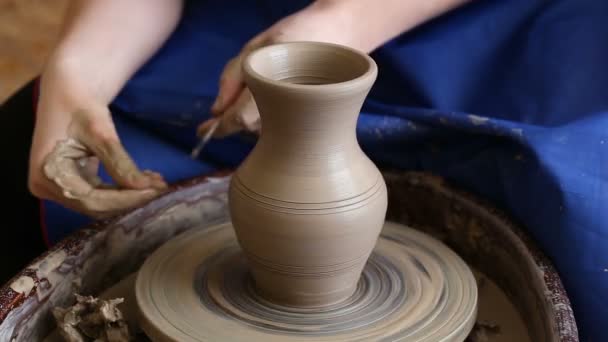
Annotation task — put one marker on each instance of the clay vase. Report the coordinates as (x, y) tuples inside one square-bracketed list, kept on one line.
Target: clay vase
[(307, 204)]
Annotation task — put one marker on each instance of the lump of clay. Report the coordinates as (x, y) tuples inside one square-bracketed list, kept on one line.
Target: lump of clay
[(92, 319)]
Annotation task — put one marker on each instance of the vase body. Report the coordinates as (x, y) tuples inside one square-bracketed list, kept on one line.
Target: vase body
[(307, 204)]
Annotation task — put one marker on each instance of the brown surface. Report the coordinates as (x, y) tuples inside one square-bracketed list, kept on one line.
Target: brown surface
[(28, 30), (307, 204)]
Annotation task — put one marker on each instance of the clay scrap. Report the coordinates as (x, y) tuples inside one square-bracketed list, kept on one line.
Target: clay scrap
[(92, 319), (483, 332)]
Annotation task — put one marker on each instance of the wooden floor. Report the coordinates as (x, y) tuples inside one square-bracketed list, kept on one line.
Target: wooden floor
[(28, 30)]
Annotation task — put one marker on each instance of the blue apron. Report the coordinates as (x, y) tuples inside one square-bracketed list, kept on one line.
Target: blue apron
[(508, 99)]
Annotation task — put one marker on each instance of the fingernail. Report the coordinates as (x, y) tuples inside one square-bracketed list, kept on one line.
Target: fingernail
[(153, 174)]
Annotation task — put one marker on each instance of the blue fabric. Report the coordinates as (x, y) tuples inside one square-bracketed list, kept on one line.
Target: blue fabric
[(505, 98)]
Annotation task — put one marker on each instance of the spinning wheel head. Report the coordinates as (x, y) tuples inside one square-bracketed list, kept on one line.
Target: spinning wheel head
[(198, 287)]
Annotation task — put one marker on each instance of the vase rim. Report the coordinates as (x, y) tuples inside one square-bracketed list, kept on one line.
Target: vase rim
[(362, 79)]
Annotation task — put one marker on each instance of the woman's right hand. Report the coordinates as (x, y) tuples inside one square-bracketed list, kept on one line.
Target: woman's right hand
[(73, 135), (338, 22)]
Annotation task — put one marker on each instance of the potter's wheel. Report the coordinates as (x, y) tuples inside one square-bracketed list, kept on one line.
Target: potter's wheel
[(197, 288)]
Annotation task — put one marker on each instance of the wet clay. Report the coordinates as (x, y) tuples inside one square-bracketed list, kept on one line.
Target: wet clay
[(72, 167), (198, 287), (66, 167), (307, 204)]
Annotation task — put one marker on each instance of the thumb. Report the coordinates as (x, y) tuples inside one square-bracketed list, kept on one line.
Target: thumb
[(104, 142), (232, 82)]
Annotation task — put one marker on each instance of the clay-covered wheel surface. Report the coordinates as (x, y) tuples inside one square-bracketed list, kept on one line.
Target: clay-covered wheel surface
[(197, 287)]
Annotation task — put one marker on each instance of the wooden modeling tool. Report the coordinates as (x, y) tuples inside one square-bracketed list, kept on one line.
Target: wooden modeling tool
[(204, 140)]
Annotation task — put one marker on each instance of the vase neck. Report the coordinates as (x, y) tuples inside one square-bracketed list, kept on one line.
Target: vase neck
[(312, 123)]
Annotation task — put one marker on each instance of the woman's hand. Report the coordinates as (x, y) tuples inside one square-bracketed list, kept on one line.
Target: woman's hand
[(362, 24), (71, 138), (101, 46), (234, 106)]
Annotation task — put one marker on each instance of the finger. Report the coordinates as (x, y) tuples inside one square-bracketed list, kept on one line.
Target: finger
[(62, 167), (227, 125), (89, 165), (108, 202), (88, 169), (246, 112), (66, 168), (157, 180), (242, 115), (231, 84), (120, 166), (231, 81), (153, 174), (205, 126), (74, 192), (98, 134)]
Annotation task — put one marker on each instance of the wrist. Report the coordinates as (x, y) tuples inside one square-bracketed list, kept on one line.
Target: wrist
[(64, 90), (62, 96)]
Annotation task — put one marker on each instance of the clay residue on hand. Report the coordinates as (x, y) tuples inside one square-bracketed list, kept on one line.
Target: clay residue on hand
[(73, 168), (63, 169), (92, 319)]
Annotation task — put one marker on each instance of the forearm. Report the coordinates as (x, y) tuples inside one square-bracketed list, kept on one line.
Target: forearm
[(371, 23), (104, 42)]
